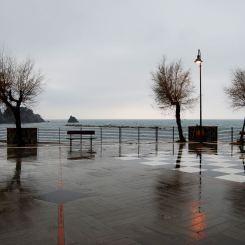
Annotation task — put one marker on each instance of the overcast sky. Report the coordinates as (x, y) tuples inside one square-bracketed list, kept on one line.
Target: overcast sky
[(98, 55)]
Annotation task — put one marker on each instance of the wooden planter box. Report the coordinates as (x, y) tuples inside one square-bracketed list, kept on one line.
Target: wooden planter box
[(207, 133), (29, 136)]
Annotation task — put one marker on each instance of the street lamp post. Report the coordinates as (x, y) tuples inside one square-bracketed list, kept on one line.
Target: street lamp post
[(199, 61)]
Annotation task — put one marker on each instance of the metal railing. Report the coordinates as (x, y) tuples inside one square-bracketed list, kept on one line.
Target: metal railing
[(111, 134), (124, 134)]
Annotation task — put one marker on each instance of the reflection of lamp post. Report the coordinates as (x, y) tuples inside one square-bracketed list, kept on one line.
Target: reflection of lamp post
[(199, 61), (199, 217)]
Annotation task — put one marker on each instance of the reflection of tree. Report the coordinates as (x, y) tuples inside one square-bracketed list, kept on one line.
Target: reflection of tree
[(177, 199), (180, 195), (180, 151), (13, 195), (16, 178), (17, 154), (172, 183), (236, 194), (14, 198), (168, 184), (15, 182), (241, 147)]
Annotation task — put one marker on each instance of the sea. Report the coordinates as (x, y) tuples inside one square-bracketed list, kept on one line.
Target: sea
[(54, 124), (54, 130)]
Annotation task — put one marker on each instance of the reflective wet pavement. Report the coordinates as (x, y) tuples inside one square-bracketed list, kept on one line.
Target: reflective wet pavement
[(151, 194)]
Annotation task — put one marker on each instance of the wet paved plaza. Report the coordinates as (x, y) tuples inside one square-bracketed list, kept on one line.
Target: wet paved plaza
[(123, 194)]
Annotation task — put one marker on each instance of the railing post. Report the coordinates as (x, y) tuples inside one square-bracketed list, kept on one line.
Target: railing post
[(101, 135), (173, 133), (232, 134), (37, 135), (120, 135), (59, 135), (91, 144), (156, 134), (138, 135), (81, 137)]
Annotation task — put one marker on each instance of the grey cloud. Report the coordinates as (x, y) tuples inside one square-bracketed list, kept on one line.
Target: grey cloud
[(98, 54)]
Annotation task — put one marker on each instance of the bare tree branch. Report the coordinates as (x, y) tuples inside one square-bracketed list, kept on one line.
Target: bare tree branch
[(173, 85), (236, 91), (173, 89), (19, 84)]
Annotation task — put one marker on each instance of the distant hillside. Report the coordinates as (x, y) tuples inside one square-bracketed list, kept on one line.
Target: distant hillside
[(27, 116)]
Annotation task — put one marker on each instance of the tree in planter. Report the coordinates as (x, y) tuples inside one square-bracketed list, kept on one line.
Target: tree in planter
[(236, 93), (20, 84), (173, 89)]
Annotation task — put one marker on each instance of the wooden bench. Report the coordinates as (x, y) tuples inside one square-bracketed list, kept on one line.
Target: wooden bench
[(90, 133)]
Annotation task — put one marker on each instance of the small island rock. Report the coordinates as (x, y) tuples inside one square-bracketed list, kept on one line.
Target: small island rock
[(72, 120)]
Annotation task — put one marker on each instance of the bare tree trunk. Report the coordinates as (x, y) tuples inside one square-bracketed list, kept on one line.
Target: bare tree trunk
[(178, 160), (16, 112), (242, 132), (178, 121)]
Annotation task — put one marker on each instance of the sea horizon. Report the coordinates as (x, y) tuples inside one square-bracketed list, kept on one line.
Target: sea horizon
[(59, 123)]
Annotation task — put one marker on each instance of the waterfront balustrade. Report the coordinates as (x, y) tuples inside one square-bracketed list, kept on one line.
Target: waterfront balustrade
[(123, 134)]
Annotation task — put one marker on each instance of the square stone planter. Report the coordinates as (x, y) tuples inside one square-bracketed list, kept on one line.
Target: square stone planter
[(29, 136), (206, 134)]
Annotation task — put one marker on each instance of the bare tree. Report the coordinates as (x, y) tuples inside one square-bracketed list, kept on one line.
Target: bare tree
[(20, 84), (236, 93), (173, 89)]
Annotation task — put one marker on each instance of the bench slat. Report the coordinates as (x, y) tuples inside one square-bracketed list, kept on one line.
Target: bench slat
[(93, 138), (81, 132)]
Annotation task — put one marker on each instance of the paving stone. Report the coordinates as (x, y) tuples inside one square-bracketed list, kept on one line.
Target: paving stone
[(110, 200)]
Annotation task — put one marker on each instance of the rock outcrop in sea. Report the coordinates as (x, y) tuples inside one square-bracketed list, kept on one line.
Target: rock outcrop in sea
[(72, 120)]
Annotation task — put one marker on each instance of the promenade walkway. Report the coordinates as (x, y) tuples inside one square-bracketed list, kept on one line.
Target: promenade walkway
[(154, 194)]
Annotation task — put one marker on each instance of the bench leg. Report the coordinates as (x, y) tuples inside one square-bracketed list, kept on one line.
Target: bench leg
[(81, 143), (70, 144), (91, 145)]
